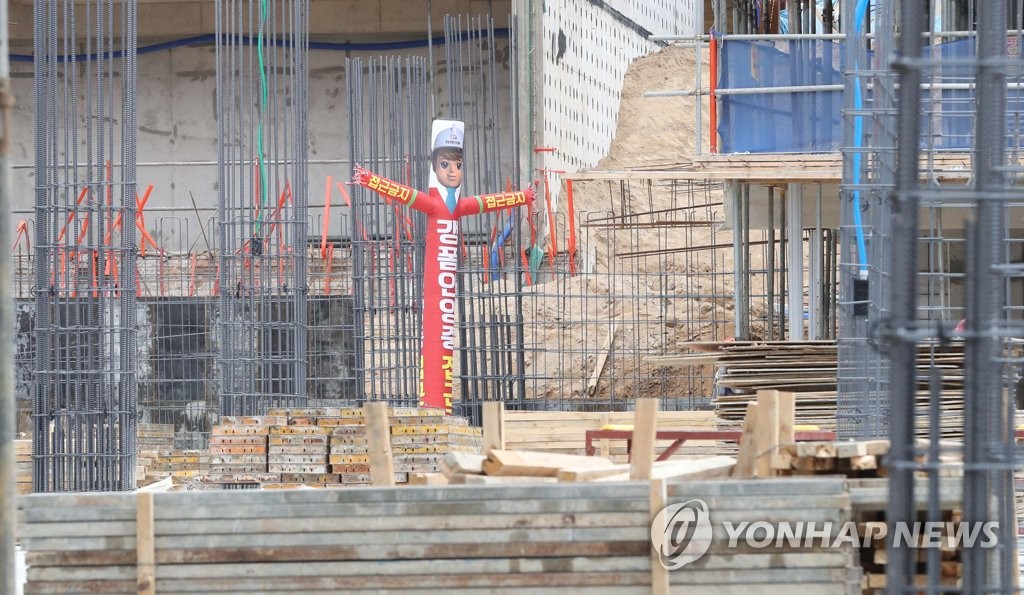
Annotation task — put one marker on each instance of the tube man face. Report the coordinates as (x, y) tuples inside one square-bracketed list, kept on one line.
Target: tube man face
[(448, 168)]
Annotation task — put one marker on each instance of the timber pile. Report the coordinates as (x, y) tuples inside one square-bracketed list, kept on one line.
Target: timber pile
[(325, 447), (23, 466), (564, 432), (808, 370), (579, 538), (157, 458)]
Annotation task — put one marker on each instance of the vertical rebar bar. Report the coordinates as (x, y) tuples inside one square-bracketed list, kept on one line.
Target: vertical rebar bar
[(7, 394), (899, 568), (262, 104)]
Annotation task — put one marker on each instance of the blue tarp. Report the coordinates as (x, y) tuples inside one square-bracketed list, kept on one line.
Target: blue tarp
[(780, 122), (809, 122)]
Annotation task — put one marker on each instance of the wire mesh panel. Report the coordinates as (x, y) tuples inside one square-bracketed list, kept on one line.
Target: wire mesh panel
[(84, 404), (262, 48)]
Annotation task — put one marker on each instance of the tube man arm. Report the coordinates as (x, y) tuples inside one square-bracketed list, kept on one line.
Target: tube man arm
[(421, 201)]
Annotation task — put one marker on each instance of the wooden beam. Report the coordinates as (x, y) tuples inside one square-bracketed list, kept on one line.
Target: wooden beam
[(601, 359), (378, 438), (645, 429), (747, 452), (541, 464), (145, 544), (494, 425), (786, 408), (463, 463), (659, 574)]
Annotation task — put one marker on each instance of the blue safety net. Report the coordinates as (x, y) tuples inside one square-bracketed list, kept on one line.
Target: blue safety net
[(809, 122), (800, 122)]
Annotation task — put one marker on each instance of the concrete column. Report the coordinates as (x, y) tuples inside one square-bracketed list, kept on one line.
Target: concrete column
[(815, 279), (794, 233)]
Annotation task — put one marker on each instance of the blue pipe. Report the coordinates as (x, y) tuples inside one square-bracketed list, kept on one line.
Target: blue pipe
[(249, 40), (858, 140), (498, 243)]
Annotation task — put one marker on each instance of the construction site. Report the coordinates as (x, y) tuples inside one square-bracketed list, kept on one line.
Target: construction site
[(538, 296)]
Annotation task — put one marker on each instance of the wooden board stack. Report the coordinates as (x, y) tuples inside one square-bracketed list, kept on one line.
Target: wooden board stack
[(809, 370), (864, 462), (578, 538), (564, 432), (23, 466), (157, 458)]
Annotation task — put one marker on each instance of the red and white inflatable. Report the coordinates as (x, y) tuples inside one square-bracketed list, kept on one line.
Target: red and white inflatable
[(444, 207)]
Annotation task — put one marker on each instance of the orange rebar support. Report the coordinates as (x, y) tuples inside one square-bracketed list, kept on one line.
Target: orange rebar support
[(572, 227), (110, 194), (327, 219), (71, 215), (94, 264), (713, 97), (22, 230)]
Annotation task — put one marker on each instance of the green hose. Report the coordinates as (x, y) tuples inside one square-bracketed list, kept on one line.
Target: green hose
[(264, 191)]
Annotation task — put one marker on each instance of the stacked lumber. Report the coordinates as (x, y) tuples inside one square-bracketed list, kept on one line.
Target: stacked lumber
[(158, 458), (809, 370), (775, 567), (579, 538), (23, 466), (864, 462), (565, 431)]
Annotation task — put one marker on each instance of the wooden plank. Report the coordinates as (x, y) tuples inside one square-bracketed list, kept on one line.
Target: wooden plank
[(659, 574), (703, 468), (780, 459), (504, 480), (463, 463), (602, 357), (748, 450), (427, 479), (522, 462), (766, 432), (644, 430), (494, 425), (571, 474), (379, 444), (145, 550)]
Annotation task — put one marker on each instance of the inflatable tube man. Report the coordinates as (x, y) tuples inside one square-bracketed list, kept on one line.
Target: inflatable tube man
[(443, 207)]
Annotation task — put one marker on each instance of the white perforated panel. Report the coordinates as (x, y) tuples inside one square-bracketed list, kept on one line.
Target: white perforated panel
[(662, 17), (586, 52)]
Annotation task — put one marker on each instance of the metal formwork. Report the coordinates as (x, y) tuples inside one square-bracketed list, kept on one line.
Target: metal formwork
[(84, 403), (262, 151)]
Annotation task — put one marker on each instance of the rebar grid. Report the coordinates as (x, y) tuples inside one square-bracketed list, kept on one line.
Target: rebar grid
[(84, 402), (388, 133), (262, 50), (925, 209)]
